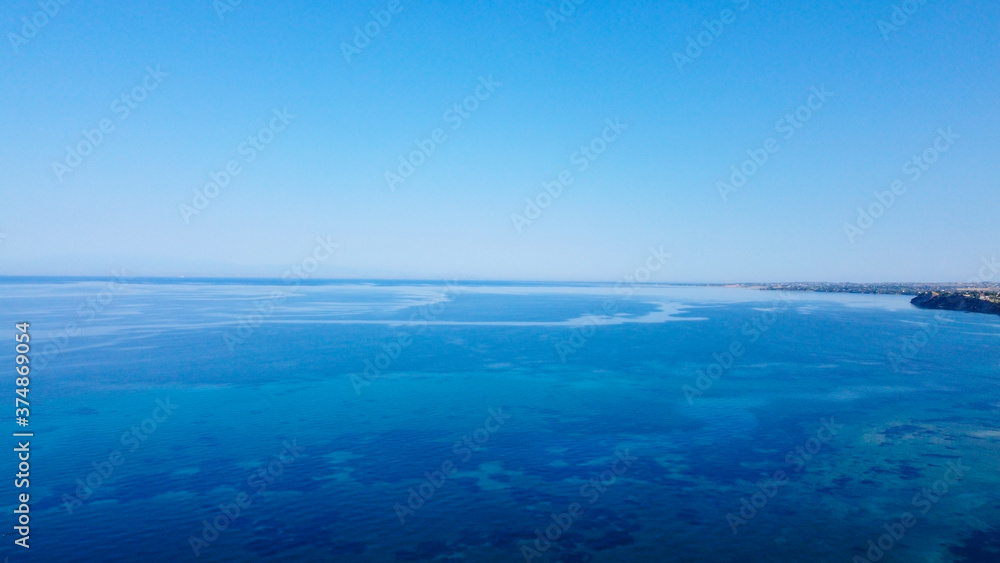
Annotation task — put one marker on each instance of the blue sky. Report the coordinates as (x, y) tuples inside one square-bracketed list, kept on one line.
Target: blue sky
[(198, 84)]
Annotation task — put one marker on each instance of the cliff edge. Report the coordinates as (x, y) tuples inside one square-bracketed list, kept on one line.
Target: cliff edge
[(971, 303)]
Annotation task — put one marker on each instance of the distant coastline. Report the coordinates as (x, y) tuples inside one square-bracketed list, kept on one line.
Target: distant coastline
[(968, 297), (972, 298), (974, 302)]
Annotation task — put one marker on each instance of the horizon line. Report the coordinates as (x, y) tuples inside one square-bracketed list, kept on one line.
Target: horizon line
[(322, 280)]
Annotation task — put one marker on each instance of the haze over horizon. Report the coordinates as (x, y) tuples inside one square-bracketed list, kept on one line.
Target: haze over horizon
[(745, 157)]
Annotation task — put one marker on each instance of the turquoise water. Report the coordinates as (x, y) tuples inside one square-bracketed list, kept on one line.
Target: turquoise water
[(326, 413)]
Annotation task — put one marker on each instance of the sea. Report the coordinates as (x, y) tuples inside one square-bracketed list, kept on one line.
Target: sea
[(235, 420)]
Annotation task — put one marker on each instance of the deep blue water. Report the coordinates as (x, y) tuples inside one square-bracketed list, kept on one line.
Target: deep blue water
[(327, 409)]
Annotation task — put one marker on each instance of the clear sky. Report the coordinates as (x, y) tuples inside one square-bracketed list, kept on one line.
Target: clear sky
[(693, 86)]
